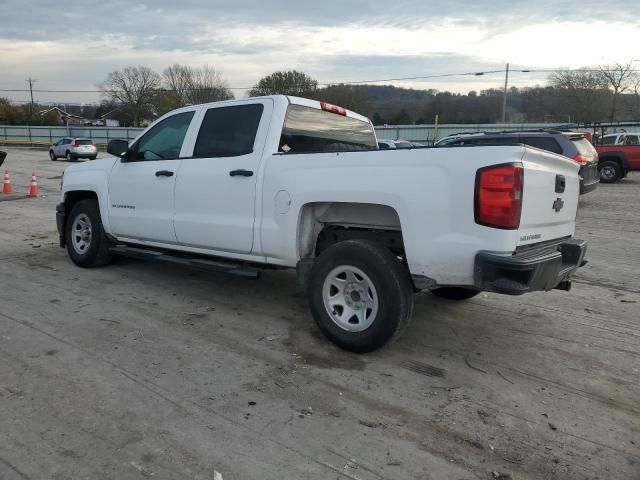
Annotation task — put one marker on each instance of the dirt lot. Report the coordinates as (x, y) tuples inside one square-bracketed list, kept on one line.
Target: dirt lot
[(139, 370)]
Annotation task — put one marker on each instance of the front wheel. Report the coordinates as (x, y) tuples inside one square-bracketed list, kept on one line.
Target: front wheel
[(52, 156), (69, 157), (610, 171), (360, 294), (87, 243), (455, 293)]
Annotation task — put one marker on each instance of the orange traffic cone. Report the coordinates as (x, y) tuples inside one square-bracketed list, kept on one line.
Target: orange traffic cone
[(34, 190), (6, 184)]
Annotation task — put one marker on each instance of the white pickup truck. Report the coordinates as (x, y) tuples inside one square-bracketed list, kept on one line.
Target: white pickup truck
[(283, 182)]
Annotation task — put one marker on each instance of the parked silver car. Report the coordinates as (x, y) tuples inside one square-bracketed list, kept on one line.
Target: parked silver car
[(73, 148)]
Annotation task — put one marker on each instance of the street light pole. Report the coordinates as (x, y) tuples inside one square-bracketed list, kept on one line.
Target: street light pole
[(504, 98)]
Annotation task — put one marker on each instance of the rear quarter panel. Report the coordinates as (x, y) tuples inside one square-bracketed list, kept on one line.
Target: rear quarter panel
[(431, 190)]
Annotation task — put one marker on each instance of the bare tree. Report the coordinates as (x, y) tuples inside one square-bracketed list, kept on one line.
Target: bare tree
[(635, 85), (134, 88), (186, 85), (584, 89), (290, 82), (618, 78)]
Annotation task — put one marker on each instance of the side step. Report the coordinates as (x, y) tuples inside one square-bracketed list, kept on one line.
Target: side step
[(198, 263)]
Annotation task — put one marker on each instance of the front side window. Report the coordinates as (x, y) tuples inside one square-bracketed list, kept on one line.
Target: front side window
[(164, 140), (309, 129), (228, 131)]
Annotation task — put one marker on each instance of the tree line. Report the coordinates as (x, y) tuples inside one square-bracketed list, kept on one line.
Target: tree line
[(136, 95)]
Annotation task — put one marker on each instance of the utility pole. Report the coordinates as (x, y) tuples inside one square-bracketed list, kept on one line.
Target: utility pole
[(32, 106), (31, 82), (504, 98)]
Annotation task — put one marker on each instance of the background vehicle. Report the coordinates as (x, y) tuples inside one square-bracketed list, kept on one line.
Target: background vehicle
[(284, 182), (3, 155), (73, 148), (569, 144), (393, 144), (627, 138)]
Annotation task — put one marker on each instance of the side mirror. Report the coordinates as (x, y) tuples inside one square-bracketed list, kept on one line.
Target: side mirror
[(117, 147)]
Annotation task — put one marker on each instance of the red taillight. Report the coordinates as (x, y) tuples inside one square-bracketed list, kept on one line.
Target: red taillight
[(581, 159), (498, 202), (328, 107)]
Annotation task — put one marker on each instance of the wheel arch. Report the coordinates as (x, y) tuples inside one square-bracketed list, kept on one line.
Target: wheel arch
[(618, 157), (360, 219)]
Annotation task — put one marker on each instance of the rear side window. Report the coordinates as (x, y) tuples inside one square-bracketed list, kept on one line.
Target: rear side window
[(544, 143), (228, 131), (584, 147), (309, 129)]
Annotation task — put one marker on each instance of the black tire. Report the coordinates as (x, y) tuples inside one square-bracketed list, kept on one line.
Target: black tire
[(610, 171), (52, 156), (455, 293), (93, 157), (68, 156), (96, 253), (393, 288)]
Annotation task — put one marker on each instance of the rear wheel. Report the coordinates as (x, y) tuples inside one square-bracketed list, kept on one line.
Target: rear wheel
[(360, 295), (610, 171), (68, 156), (92, 157), (455, 293), (87, 243), (52, 156)]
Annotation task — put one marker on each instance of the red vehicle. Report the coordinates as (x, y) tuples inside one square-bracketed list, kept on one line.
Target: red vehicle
[(619, 153)]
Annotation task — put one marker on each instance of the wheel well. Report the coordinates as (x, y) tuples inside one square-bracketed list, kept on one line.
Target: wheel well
[(75, 196), (324, 223)]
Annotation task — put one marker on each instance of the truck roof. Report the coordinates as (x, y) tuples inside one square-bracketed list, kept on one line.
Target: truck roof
[(290, 99)]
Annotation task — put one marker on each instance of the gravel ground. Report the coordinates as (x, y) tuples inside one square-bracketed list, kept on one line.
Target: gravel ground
[(139, 370)]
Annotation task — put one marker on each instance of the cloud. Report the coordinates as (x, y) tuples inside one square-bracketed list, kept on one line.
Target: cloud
[(70, 44)]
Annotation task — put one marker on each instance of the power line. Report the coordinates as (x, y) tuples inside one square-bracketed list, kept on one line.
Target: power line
[(322, 84), (327, 84)]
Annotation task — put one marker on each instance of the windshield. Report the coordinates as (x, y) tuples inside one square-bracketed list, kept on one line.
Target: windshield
[(309, 129)]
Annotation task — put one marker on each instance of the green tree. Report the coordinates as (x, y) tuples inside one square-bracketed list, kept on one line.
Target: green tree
[(402, 118), (290, 82)]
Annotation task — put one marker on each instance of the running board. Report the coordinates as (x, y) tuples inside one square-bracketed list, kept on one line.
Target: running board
[(198, 263)]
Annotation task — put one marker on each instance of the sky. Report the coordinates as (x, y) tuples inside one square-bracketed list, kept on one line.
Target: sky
[(73, 45)]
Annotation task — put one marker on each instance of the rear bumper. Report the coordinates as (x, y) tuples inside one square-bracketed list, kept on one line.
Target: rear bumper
[(536, 269), (61, 221), (589, 178)]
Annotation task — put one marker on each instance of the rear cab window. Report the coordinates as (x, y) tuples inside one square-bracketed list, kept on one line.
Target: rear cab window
[(308, 129)]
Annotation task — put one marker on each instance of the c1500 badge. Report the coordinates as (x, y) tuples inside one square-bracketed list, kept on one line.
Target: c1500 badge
[(526, 238), (130, 207)]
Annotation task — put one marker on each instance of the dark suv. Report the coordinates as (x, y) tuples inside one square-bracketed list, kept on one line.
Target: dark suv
[(570, 144)]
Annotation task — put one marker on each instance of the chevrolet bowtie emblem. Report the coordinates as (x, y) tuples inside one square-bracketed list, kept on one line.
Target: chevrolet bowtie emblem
[(558, 204)]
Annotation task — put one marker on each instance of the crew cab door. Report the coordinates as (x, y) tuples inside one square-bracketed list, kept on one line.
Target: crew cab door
[(141, 185), (215, 192)]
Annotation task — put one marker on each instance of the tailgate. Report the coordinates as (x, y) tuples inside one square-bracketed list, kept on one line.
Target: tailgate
[(549, 197)]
